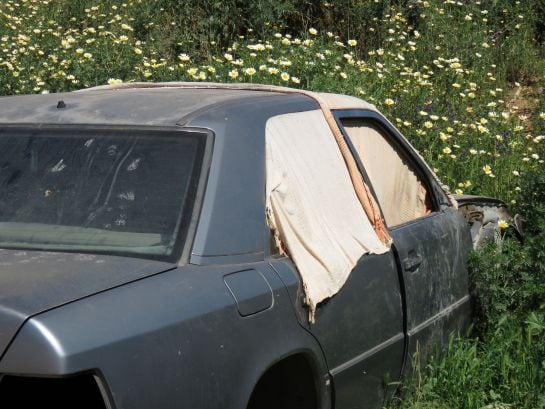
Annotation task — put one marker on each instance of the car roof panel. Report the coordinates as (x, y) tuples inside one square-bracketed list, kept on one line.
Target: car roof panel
[(132, 106)]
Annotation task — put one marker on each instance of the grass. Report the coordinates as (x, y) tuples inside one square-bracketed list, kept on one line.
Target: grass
[(462, 80)]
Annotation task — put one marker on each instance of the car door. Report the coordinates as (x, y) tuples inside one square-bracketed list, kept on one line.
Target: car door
[(361, 333), (360, 328), (431, 240)]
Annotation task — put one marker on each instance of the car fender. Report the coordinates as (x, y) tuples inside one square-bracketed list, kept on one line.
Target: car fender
[(175, 339)]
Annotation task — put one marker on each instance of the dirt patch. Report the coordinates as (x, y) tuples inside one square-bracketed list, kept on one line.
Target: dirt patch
[(522, 100)]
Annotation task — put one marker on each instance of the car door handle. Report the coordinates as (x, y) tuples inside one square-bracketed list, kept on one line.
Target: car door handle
[(412, 262)]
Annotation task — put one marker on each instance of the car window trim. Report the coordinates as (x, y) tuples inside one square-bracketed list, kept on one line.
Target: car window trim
[(438, 198), (185, 254)]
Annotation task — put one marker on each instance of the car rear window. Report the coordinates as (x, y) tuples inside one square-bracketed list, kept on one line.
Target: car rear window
[(126, 192)]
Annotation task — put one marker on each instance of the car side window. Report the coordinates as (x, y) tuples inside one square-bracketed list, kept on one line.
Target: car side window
[(401, 192)]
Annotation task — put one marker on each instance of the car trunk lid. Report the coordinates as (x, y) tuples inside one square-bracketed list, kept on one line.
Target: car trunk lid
[(32, 282)]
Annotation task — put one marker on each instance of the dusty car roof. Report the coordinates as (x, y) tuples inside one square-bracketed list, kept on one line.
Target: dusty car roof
[(158, 107), (158, 104)]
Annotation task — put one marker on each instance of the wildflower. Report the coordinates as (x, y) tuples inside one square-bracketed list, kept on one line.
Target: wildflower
[(312, 31), (428, 124), (352, 43), (447, 150), (542, 115), (184, 57), (389, 101), (250, 71), (482, 129), (137, 51), (233, 74), (285, 76), (272, 70), (487, 169), (88, 55), (502, 224), (113, 81), (228, 57)]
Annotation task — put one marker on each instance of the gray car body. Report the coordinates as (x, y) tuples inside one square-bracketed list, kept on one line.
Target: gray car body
[(202, 332)]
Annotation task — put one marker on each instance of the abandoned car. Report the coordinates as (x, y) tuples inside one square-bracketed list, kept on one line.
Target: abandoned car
[(198, 246)]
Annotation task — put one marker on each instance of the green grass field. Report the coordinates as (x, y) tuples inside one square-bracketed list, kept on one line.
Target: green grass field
[(463, 80)]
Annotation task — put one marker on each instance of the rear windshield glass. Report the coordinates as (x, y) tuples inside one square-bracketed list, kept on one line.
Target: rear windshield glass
[(112, 192)]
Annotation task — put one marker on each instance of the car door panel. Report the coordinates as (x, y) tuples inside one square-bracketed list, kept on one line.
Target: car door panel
[(360, 330), (437, 288)]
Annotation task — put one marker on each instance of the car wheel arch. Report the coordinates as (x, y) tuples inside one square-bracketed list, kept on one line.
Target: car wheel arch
[(293, 381)]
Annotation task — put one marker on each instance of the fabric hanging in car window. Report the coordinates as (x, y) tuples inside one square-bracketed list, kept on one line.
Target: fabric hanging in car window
[(312, 206)]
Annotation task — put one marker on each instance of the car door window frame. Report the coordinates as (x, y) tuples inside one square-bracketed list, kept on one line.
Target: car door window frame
[(438, 198)]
